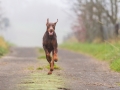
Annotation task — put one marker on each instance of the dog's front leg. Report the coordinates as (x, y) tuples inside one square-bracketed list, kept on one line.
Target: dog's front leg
[(55, 57)]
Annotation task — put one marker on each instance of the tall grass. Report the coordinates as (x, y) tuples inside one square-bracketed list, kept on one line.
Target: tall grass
[(3, 43), (104, 51), (3, 46)]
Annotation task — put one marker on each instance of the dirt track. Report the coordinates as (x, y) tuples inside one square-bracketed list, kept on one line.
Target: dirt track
[(12, 67), (85, 73), (80, 72)]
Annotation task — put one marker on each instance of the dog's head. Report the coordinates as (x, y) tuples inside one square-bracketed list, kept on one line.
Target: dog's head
[(51, 27)]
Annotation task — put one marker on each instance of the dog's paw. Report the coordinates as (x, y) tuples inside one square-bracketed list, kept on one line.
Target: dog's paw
[(52, 68), (49, 73), (55, 59)]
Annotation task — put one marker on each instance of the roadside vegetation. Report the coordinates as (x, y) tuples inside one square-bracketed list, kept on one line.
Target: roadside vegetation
[(94, 23), (4, 47), (109, 52), (41, 81)]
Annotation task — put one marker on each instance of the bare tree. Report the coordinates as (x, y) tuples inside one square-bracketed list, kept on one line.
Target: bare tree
[(94, 14), (4, 21)]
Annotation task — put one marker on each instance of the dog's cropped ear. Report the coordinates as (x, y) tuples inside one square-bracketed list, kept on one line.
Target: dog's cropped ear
[(47, 22), (56, 22)]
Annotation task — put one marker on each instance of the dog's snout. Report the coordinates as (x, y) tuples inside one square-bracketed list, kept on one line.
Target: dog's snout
[(51, 28)]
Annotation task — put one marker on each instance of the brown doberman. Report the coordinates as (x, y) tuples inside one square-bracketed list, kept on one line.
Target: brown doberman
[(50, 44)]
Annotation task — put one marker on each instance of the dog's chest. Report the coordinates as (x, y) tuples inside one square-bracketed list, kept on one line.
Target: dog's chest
[(49, 44)]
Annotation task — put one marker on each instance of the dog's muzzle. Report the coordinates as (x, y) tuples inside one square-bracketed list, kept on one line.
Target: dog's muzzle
[(51, 33)]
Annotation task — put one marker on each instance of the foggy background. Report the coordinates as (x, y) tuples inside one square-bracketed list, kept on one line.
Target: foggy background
[(27, 19)]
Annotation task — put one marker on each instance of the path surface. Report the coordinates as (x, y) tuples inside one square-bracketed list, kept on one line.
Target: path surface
[(78, 71), (84, 73), (13, 65)]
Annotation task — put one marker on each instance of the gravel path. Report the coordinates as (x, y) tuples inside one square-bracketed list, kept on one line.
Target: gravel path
[(78, 71), (12, 67), (85, 73)]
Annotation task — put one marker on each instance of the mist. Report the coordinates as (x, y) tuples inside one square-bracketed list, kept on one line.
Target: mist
[(28, 20)]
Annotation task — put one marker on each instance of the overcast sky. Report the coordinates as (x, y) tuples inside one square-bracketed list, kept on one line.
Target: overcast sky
[(28, 20)]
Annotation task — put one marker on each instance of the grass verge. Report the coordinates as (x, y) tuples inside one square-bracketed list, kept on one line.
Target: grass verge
[(42, 81), (104, 51), (4, 47), (39, 80)]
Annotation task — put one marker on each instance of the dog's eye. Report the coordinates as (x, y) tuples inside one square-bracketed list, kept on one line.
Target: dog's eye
[(53, 26), (48, 26)]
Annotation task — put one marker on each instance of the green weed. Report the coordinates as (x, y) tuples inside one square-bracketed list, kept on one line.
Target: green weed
[(55, 67), (42, 57), (39, 68)]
